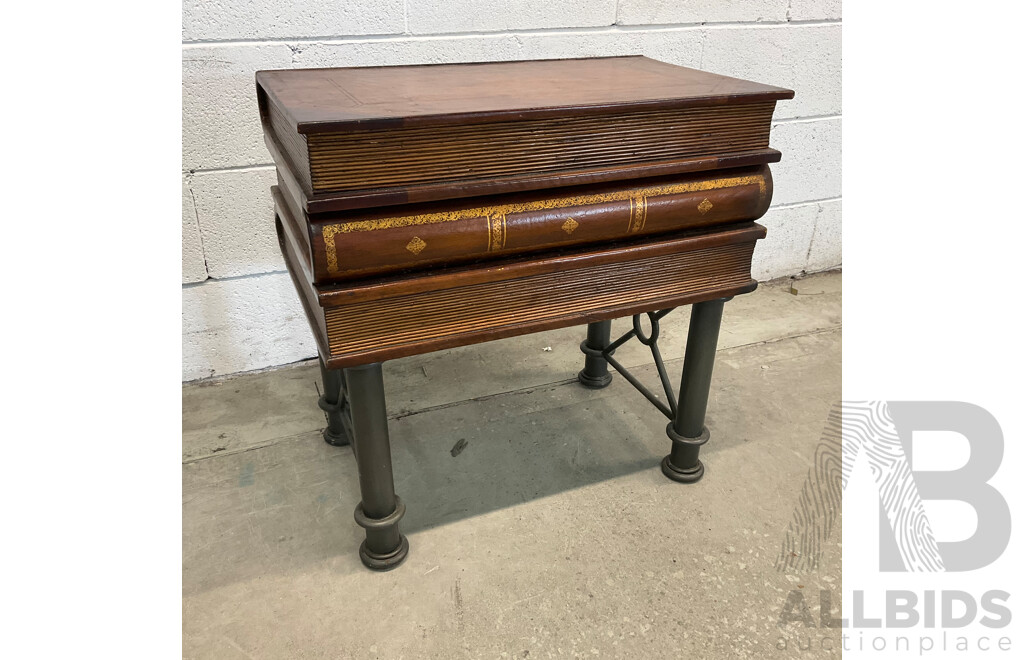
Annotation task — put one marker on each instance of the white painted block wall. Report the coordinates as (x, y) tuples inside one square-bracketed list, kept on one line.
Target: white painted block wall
[(239, 310)]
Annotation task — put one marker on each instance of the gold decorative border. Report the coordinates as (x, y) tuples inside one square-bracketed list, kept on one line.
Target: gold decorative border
[(496, 215), (496, 224), (329, 232), (637, 214)]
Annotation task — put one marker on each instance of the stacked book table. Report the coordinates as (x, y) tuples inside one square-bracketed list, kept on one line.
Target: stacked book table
[(425, 207)]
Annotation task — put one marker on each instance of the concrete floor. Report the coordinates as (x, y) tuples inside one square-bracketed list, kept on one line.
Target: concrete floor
[(553, 533)]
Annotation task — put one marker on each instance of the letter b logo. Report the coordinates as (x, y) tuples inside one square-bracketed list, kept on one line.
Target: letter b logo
[(903, 531)]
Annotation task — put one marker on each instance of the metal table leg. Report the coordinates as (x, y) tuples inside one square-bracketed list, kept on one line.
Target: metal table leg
[(595, 370), (687, 430), (333, 403), (380, 510)]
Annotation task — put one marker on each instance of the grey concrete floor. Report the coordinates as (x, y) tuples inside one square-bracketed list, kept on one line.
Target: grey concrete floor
[(553, 533)]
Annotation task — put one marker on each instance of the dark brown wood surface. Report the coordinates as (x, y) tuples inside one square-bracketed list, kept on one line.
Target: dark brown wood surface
[(388, 148), (316, 204), (404, 315), (329, 100), (406, 157), (579, 289), (364, 137), (432, 192), (305, 289), (297, 230), (356, 244), (578, 260)]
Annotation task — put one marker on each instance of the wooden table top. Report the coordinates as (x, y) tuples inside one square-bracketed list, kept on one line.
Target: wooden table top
[(329, 100)]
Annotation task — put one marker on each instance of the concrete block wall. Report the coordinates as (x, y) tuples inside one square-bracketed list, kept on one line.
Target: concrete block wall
[(239, 311)]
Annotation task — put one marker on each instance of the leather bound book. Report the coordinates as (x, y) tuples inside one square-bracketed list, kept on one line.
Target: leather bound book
[(404, 314), (355, 244), (364, 137)]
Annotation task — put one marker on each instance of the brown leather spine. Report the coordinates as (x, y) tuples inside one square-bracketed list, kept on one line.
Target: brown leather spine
[(357, 245), (307, 293), (407, 314), (296, 231)]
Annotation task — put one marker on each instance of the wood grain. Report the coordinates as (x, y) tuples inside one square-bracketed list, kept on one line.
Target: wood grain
[(385, 329), (364, 137), (470, 202), (414, 156), (370, 98), (369, 242), (402, 317)]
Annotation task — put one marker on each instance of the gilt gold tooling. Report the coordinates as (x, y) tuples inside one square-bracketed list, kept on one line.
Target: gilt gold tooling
[(496, 215), (637, 213), (495, 231), (416, 245)]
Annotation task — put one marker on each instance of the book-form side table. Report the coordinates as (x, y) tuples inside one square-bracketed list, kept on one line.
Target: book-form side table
[(414, 132)]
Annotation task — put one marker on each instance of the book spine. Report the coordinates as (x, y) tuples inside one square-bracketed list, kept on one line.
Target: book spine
[(296, 231), (287, 148), (380, 242)]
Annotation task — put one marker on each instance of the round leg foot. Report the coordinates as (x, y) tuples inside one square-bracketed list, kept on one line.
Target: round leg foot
[(334, 411), (339, 440), (689, 476), (593, 383), (386, 562)]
